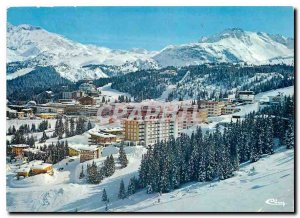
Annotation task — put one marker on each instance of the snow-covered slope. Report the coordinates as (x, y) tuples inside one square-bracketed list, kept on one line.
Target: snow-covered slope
[(37, 46), (231, 45), (254, 188), (250, 190), (28, 47)]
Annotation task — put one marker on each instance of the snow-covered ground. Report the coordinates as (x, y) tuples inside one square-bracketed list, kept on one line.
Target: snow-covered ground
[(250, 190), (17, 122), (19, 73), (65, 191), (113, 94)]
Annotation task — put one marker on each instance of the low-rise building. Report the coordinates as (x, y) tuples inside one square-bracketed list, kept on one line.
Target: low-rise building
[(246, 96), (67, 95), (73, 151), (87, 100), (27, 112), (89, 110), (89, 153), (42, 168), (23, 171), (17, 149), (86, 152), (113, 130), (101, 138), (20, 115), (10, 113), (77, 94), (57, 108), (47, 115)]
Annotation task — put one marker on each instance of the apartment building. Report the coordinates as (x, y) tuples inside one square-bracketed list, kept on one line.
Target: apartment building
[(149, 131), (230, 109), (190, 116), (214, 108)]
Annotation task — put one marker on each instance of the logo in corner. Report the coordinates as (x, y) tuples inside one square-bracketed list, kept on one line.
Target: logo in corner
[(275, 202)]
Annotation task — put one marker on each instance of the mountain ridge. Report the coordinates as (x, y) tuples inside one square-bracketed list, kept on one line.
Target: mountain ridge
[(38, 47)]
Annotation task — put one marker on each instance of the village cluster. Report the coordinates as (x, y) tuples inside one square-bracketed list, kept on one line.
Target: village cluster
[(123, 123)]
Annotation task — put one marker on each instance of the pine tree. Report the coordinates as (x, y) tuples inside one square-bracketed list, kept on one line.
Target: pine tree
[(104, 196), (9, 132), (131, 187), (122, 192), (269, 137), (81, 173), (33, 128), (122, 157), (89, 125), (66, 128), (72, 127), (289, 136), (44, 137)]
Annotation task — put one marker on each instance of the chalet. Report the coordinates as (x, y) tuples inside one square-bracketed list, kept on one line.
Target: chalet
[(27, 112), (23, 171), (42, 168), (18, 149), (20, 115), (87, 100)]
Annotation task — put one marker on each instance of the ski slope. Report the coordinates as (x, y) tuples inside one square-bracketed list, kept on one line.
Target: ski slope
[(250, 190), (272, 177)]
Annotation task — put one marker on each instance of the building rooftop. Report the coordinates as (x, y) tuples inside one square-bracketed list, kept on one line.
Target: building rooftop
[(41, 166), (101, 134), (33, 150), (20, 146), (81, 147), (23, 170), (111, 129)]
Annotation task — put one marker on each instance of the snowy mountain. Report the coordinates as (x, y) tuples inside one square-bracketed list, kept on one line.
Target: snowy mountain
[(36, 46), (29, 47), (231, 45)]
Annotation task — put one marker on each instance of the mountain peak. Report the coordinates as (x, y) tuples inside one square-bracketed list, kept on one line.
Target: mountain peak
[(22, 27), (226, 33)]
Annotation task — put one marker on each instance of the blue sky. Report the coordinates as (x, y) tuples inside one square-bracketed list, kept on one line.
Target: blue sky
[(151, 28)]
